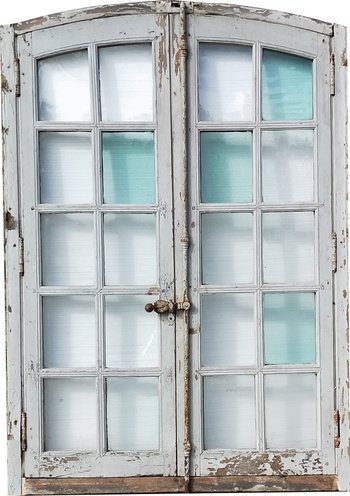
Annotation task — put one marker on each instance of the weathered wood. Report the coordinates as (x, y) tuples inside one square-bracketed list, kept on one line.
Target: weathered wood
[(11, 238), (104, 485), (240, 12), (264, 483), (341, 277), (124, 485)]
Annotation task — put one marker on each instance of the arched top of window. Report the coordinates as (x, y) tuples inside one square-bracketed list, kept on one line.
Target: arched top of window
[(168, 6)]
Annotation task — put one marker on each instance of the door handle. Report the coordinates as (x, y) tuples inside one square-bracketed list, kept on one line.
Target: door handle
[(160, 306)]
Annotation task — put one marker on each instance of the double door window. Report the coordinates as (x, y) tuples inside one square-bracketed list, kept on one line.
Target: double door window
[(223, 239)]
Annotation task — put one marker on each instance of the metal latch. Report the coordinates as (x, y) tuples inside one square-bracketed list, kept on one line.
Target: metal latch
[(337, 429), (163, 306)]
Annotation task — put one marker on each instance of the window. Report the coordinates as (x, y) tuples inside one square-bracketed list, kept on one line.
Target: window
[(176, 251)]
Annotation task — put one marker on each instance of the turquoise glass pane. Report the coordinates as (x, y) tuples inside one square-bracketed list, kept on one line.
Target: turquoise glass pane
[(286, 86), (226, 167), (128, 168), (289, 328)]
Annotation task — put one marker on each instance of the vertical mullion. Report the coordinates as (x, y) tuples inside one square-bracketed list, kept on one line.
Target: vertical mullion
[(259, 261)]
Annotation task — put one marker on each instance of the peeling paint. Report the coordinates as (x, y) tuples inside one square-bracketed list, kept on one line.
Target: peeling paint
[(4, 84), (162, 54), (10, 222), (344, 58), (345, 293)]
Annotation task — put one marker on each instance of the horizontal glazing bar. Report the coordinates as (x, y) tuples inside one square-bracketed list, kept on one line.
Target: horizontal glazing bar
[(76, 290), (244, 126), (49, 208), (297, 207), (78, 372)]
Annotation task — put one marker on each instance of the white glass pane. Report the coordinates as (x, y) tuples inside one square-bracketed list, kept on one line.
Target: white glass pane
[(228, 330), (67, 249), (291, 411), (69, 331), (126, 82), (133, 413), (70, 406), (64, 88), (287, 91), (130, 249), (288, 247), (229, 412), (128, 168), (227, 248), (132, 334), (287, 166), (289, 328), (225, 82), (65, 162), (226, 167)]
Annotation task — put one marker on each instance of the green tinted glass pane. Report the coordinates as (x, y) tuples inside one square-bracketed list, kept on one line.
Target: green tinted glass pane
[(226, 167), (286, 86), (289, 328), (128, 168)]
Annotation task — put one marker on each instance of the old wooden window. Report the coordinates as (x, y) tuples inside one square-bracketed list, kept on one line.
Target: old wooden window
[(188, 160)]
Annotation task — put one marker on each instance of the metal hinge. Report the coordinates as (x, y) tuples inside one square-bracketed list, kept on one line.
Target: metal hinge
[(334, 252), (336, 418), (21, 256), (23, 431), (17, 78), (332, 75)]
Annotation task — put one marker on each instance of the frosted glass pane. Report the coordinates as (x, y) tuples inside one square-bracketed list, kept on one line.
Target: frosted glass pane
[(226, 167), (227, 248), (65, 168), (288, 247), (64, 88), (69, 331), (70, 406), (286, 86), (128, 168), (229, 412), (126, 82), (67, 249), (228, 330), (133, 413), (130, 249), (289, 328), (287, 166), (132, 335), (225, 82), (291, 411)]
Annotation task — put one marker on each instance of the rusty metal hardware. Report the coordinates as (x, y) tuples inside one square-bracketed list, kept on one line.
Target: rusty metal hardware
[(336, 418), (160, 306), (23, 431)]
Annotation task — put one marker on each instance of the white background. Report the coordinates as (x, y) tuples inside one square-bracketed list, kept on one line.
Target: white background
[(15, 11)]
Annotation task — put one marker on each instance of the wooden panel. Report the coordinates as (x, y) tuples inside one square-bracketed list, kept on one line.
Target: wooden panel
[(105, 485), (123, 485), (265, 484)]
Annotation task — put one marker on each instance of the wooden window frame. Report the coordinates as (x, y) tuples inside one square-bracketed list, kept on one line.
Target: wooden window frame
[(16, 259)]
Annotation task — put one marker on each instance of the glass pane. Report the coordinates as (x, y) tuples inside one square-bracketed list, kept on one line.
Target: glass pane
[(126, 82), (130, 249), (132, 335), (65, 162), (64, 88), (70, 406), (226, 167), (227, 248), (289, 328), (225, 82), (286, 86), (133, 413), (288, 247), (67, 249), (228, 330), (69, 331), (291, 411), (229, 412), (128, 168), (288, 166)]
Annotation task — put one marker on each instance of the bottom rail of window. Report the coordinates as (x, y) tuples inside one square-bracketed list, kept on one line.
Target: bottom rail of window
[(127, 485)]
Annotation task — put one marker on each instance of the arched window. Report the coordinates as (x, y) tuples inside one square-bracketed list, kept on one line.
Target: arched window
[(176, 251)]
